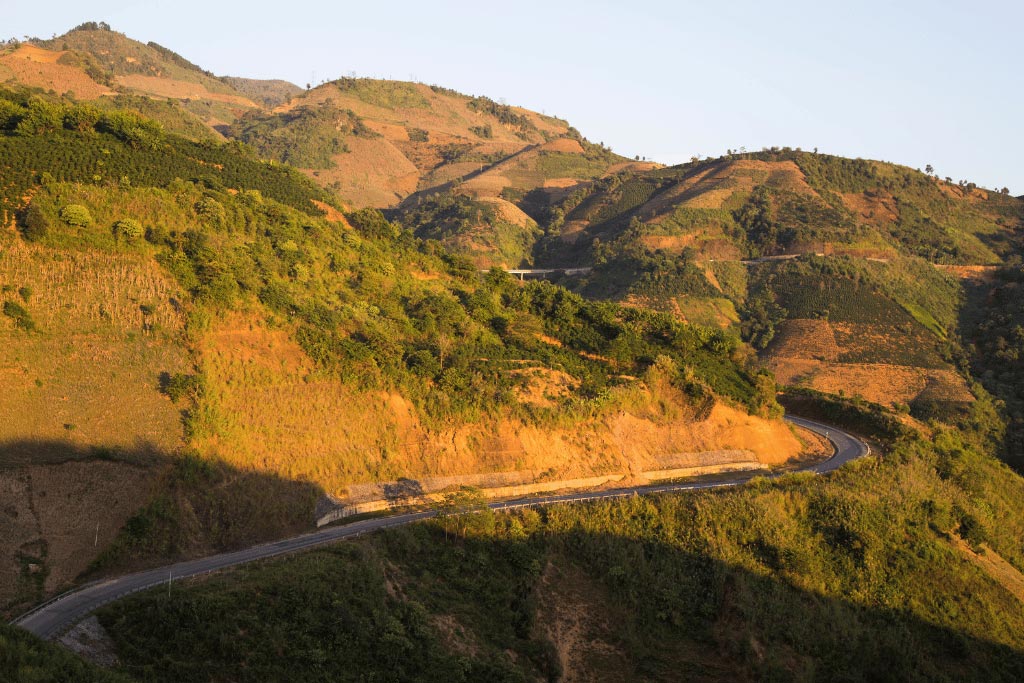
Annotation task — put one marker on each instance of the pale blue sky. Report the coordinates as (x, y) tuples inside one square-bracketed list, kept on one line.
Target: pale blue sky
[(913, 82)]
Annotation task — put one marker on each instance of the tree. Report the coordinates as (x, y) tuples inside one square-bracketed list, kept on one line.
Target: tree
[(463, 506), (34, 224), (41, 117), (929, 170), (128, 229), (76, 215), (17, 313), (445, 344), (82, 118), (10, 115)]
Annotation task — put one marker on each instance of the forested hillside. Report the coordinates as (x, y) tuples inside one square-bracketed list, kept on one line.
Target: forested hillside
[(261, 340)]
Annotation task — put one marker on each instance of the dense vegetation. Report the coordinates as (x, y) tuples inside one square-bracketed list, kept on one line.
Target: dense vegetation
[(43, 141), (994, 320), (26, 659), (623, 267), (388, 94), (169, 114), (471, 228), (504, 113), (306, 137)]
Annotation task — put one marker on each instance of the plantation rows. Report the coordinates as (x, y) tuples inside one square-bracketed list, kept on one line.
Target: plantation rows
[(44, 141)]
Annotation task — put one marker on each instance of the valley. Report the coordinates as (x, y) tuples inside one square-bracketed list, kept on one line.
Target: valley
[(580, 400)]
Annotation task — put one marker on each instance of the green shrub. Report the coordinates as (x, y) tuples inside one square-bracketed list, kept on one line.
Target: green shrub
[(20, 316), (128, 229), (182, 385), (76, 215)]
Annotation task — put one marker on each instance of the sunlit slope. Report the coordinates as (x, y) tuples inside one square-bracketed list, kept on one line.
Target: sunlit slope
[(377, 142), (844, 271), (183, 319)]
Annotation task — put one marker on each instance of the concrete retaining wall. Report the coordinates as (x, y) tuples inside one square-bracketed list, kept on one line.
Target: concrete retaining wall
[(368, 498)]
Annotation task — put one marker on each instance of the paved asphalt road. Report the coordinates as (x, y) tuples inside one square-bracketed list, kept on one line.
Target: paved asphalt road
[(52, 618)]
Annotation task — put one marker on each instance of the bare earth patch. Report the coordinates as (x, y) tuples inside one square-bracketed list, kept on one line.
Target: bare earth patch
[(89, 640), (878, 209), (574, 613)]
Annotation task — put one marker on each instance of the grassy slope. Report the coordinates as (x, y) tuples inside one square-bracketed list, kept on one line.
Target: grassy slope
[(372, 142), (122, 56), (785, 202), (152, 71), (284, 266), (391, 141)]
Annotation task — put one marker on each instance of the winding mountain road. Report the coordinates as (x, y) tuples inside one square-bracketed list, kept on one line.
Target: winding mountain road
[(52, 618)]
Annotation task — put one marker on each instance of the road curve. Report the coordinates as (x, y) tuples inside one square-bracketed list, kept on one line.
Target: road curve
[(53, 617)]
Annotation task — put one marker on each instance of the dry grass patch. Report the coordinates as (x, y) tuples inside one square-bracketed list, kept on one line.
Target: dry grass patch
[(38, 68), (90, 374), (57, 518), (993, 564), (635, 166), (181, 90), (77, 396), (372, 173), (566, 145), (485, 185), (980, 273), (509, 212), (669, 243), (332, 214), (881, 383), (809, 339)]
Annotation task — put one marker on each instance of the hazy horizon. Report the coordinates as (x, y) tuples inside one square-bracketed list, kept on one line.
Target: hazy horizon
[(923, 83)]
